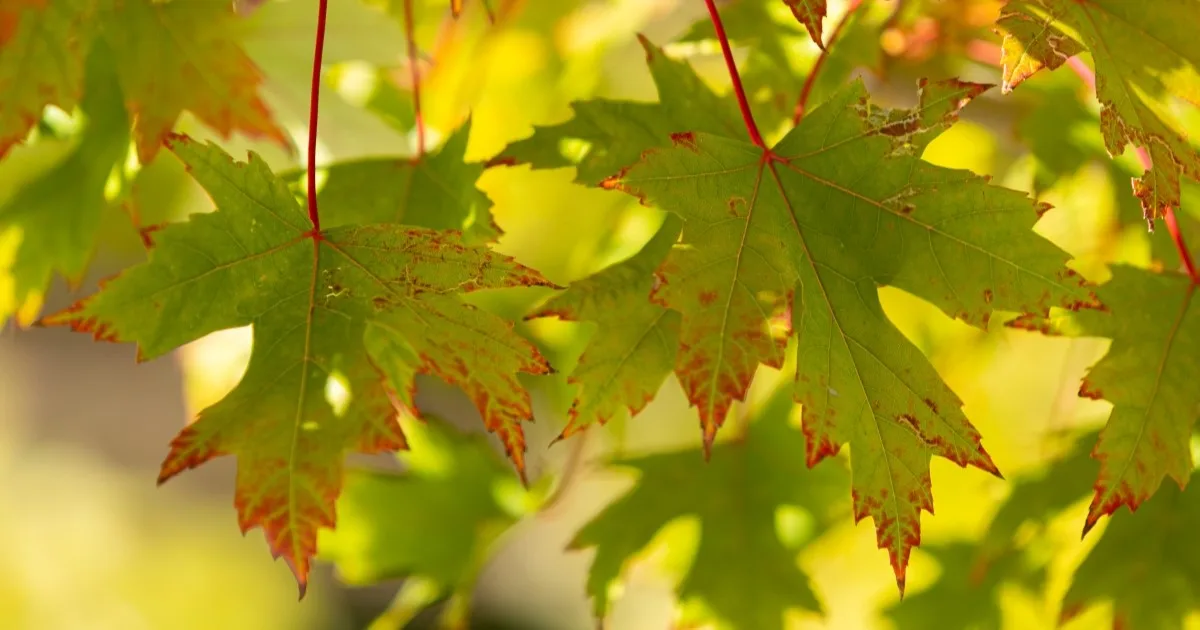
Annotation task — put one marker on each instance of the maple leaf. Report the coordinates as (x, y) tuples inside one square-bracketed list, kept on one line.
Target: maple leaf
[(172, 56), (810, 13), (42, 49), (1143, 59), (841, 205), (169, 56), (1147, 564), (56, 215), (1149, 376), (605, 136), (450, 486), (742, 570), (437, 191), (363, 307), (625, 367)]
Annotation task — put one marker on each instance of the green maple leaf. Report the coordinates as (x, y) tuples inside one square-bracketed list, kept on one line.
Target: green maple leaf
[(741, 570), (797, 239), (56, 215), (1149, 375), (1143, 60), (443, 183), (451, 486), (605, 136), (360, 307), (624, 368), (168, 56), (1147, 564)]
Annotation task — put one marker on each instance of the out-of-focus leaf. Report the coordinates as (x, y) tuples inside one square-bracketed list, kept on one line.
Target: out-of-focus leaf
[(964, 593), (57, 214), (742, 570), (1147, 564), (437, 191), (436, 521)]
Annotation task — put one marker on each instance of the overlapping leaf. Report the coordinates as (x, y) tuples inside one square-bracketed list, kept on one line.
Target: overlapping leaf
[(438, 191), (43, 44), (360, 309), (968, 590), (1149, 375), (56, 216), (605, 136), (964, 593), (799, 237), (745, 574), (1146, 564), (169, 56), (1144, 59), (160, 58), (436, 521), (623, 369)]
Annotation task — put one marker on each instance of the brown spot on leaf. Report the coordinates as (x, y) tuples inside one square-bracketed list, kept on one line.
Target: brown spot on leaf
[(1042, 208), (685, 139), (910, 420), (932, 405), (707, 297), (988, 296)]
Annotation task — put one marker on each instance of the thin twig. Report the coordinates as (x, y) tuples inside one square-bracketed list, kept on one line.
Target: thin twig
[(570, 474), (802, 101), (409, 29), (314, 100), (743, 104)]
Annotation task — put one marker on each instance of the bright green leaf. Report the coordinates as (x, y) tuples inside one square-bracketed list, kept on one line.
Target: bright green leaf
[(371, 305)]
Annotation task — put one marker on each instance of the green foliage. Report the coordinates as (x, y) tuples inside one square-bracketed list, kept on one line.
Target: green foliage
[(742, 570), (781, 222), (377, 304)]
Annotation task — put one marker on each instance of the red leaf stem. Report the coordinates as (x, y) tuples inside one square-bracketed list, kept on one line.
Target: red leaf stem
[(743, 104), (802, 101), (314, 100)]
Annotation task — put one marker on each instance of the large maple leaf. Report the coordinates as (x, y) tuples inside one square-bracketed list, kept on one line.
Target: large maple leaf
[(169, 56), (1150, 376), (366, 307), (742, 570), (1144, 59), (799, 237)]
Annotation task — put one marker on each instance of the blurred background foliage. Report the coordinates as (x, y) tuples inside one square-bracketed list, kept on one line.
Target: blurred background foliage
[(87, 542)]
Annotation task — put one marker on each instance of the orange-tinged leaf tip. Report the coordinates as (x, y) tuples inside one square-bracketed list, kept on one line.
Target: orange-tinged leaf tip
[(647, 46)]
